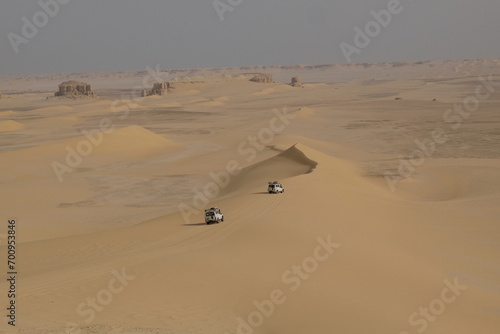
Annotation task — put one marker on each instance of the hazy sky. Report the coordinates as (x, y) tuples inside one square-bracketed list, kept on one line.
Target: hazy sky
[(116, 35)]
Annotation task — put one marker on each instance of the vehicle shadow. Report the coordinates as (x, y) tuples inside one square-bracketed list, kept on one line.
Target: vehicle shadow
[(197, 224), (261, 193)]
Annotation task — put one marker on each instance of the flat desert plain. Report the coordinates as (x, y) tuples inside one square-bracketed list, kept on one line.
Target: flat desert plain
[(389, 223)]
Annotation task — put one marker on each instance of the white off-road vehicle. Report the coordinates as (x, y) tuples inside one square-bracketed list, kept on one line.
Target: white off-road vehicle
[(213, 215), (275, 187)]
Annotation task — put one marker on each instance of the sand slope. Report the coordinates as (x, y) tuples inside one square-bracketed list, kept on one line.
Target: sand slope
[(6, 126), (379, 268), (133, 207)]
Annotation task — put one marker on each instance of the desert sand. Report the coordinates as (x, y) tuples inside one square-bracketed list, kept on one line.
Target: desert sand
[(389, 223)]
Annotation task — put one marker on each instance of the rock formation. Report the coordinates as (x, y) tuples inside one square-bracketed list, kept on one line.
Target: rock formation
[(159, 88), (262, 78), (75, 89), (296, 82)]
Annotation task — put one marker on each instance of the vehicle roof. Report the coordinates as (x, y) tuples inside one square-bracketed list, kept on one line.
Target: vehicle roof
[(212, 209)]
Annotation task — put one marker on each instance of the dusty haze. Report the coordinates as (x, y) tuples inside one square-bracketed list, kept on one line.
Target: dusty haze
[(119, 35)]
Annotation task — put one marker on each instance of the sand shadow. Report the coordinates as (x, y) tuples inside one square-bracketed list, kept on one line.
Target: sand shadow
[(197, 224)]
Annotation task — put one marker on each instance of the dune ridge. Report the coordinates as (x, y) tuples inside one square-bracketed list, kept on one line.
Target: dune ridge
[(7, 126), (252, 215), (345, 252)]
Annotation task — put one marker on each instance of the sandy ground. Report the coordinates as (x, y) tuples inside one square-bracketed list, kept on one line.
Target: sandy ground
[(389, 222)]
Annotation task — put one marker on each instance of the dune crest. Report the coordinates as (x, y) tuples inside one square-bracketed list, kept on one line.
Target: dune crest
[(306, 112), (7, 113), (288, 163), (54, 108), (134, 138), (92, 202), (125, 144), (6, 126)]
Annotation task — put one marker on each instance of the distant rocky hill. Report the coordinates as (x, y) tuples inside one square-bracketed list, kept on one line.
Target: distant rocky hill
[(75, 90), (328, 73)]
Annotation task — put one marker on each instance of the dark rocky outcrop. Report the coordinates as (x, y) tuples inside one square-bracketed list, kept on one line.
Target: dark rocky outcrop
[(159, 88), (296, 82), (75, 89), (262, 78)]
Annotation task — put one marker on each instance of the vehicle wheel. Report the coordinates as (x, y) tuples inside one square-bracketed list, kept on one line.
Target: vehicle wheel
[(222, 220), (270, 192)]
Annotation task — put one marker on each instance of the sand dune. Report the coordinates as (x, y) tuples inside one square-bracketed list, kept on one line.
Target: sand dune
[(168, 105), (288, 163), (338, 251), (133, 138), (452, 183), (97, 104), (132, 141), (306, 112), (268, 90), (54, 109), (7, 113), (255, 222), (126, 144), (6, 126), (213, 103), (187, 92), (218, 101)]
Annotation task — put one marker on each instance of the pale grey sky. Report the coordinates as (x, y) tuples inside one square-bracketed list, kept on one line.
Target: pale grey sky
[(116, 35)]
